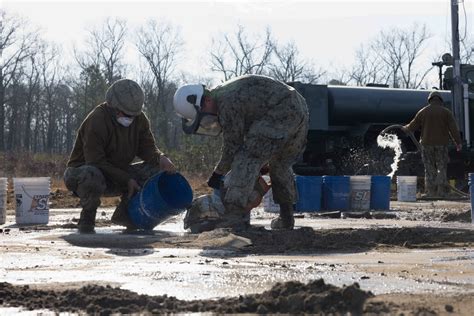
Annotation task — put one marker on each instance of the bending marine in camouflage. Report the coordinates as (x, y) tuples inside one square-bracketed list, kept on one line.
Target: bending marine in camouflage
[(264, 121)]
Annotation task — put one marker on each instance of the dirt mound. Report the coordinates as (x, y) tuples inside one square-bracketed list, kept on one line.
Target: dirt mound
[(289, 297), (456, 216), (307, 240)]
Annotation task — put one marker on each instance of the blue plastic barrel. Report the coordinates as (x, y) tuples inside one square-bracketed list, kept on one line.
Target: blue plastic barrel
[(336, 192), (380, 193), (471, 192), (309, 193), (161, 196)]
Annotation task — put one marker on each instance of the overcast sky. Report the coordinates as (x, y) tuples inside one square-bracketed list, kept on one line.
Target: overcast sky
[(328, 32)]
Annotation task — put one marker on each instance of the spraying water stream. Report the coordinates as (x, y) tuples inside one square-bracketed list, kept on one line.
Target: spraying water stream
[(391, 141)]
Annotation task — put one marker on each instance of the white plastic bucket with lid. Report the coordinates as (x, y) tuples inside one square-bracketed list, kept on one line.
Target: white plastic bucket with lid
[(32, 196), (360, 192), (268, 204), (3, 200), (406, 188)]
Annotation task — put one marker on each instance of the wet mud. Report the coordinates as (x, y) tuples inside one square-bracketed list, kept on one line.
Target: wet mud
[(303, 240), (308, 240), (289, 297), (407, 226)]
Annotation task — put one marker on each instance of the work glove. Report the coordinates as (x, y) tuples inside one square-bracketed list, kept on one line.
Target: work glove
[(215, 181)]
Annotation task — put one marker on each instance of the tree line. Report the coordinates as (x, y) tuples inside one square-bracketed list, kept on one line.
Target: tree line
[(43, 99)]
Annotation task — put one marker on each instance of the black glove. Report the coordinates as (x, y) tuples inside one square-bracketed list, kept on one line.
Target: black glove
[(215, 181)]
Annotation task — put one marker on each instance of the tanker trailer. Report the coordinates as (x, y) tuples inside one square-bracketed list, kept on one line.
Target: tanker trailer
[(346, 121)]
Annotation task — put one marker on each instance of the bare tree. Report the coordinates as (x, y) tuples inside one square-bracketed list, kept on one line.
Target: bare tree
[(368, 68), (50, 71), (159, 44), (400, 49), (15, 47), (32, 87), (467, 51), (288, 66), (105, 46), (237, 54)]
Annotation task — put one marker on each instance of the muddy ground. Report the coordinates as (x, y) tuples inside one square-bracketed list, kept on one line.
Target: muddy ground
[(322, 245)]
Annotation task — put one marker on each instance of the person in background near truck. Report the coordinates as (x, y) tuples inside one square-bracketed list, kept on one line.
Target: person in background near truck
[(437, 125), (263, 121), (108, 140)]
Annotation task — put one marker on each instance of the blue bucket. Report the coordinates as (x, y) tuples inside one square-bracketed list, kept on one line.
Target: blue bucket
[(380, 193), (161, 196), (471, 192), (336, 192), (309, 193)]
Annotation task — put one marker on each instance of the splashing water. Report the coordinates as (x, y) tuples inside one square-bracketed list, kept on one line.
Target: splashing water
[(391, 141)]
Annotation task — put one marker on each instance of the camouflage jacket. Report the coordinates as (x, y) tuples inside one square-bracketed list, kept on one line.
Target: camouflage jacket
[(245, 100)]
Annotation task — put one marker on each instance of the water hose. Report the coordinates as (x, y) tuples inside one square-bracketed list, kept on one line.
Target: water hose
[(459, 192), (418, 146), (407, 132)]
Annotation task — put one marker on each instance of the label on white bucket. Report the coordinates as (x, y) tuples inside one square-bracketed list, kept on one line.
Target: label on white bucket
[(406, 188), (360, 192), (32, 201)]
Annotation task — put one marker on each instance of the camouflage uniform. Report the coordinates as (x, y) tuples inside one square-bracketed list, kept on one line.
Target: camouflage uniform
[(435, 160), (89, 184), (107, 142), (263, 121)]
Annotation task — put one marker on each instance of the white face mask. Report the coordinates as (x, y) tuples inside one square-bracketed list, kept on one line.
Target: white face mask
[(125, 121)]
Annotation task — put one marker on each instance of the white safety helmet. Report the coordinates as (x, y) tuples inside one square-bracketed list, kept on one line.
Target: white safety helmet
[(187, 104), (186, 99)]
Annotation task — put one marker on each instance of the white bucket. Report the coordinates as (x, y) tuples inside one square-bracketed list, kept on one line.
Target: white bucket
[(360, 192), (268, 204), (3, 200), (406, 188), (32, 196)]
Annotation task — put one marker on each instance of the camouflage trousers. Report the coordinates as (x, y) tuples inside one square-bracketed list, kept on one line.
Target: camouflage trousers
[(90, 184), (277, 140), (435, 160)]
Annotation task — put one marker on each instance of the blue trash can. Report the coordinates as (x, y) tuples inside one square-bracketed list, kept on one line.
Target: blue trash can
[(336, 193), (380, 193), (161, 196), (309, 193)]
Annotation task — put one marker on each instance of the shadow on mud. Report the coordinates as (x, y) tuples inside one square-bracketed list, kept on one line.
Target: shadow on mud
[(122, 243)]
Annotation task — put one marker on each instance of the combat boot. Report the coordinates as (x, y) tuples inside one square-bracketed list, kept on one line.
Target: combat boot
[(286, 219), (86, 224), (235, 218), (120, 215)]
